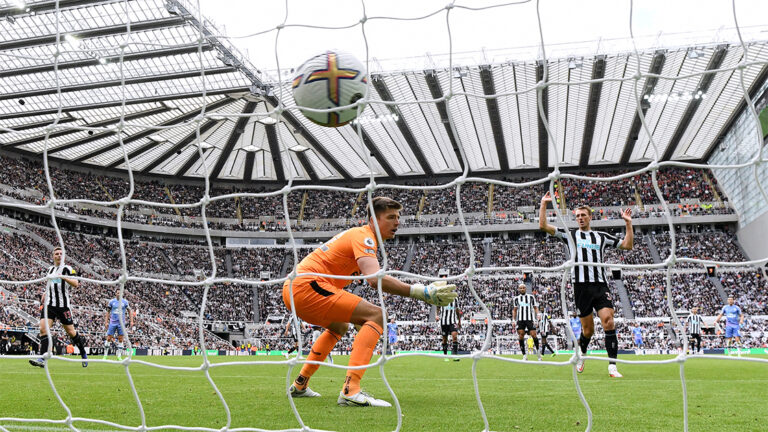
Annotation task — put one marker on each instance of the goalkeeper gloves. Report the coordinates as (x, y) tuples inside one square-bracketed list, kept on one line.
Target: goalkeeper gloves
[(436, 293)]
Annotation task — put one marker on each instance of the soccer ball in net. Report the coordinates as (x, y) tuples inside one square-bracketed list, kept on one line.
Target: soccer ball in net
[(330, 80)]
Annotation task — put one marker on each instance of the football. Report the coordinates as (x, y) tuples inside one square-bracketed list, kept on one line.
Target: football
[(330, 80)]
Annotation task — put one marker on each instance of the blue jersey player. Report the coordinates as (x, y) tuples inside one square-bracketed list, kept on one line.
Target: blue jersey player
[(733, 321), (576, 327), (115, 309), (637, 335), (392, 334)]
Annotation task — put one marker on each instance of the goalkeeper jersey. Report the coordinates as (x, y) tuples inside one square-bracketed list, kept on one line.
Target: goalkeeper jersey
[(339, 255)]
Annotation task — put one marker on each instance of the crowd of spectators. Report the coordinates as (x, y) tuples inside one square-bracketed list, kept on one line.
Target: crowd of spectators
[(25, 180), (709, 245)]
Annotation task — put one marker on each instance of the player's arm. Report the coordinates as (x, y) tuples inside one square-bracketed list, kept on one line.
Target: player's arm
[(287, 328), (106, 319), (544, 225), (130, 315), (718, 317), (514, 315), (432, 294), (73, 282), (629, 239), (741, 318)]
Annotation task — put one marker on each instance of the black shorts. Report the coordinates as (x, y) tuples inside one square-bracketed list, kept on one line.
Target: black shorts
[(447, 328), (525, 325), (591, 296), (63, 314)]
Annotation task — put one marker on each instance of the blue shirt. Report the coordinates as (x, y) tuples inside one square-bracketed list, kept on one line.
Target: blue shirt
[(732, 314), (638, 332), (114, 311), (392, 329), (576, 326)]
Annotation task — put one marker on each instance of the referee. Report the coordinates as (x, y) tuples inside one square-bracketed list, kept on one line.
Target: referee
[(55, 306), (524, 312), (590, 285), (694, 329), (449, 325)]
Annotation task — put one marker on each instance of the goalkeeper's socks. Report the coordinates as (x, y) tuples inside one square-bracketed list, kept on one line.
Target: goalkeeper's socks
[(362, 351), (455, 348), (522, 345), (445, 349), (43, 344), (320, 349), (583, 343)]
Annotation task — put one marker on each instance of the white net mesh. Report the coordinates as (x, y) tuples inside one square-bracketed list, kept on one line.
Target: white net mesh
[(452, 96)]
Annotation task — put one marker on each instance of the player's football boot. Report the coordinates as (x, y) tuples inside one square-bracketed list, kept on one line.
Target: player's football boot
[(85, 357), (446, 359), (457, 359), (613, 372), (361, 399), (580, 366), (525, 357), (39, 362), (307, 392)]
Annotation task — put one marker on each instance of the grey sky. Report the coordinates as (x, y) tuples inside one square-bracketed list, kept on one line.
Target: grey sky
[(498, 31)]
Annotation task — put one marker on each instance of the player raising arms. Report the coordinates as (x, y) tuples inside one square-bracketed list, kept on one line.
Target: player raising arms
[(56, 302), (115, 308), (321, 300), (733, 321), (590, 286)]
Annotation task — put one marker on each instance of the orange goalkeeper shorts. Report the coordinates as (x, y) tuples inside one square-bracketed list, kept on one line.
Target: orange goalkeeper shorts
[(320, 303)]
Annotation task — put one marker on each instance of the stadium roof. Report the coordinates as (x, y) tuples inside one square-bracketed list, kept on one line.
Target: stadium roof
[(77, 98)]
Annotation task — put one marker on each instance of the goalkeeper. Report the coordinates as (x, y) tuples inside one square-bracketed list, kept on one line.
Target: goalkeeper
[(322, 301)]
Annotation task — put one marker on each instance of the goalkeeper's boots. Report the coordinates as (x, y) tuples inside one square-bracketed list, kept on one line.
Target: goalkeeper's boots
[(307, 392), (580, 365), (613, 372), (361, 399), (39, 362)]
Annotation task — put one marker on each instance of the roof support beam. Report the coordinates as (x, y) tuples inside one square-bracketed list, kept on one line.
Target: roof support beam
[(761, 78), (47, 6), (167, 52), (693, 104), (93, 137), (595, 89), (237, 132), (489, 88), (657, 64), (127, 102), (40, 124), (250, 157), (442, 108), (381, 88), (274, 150), (95, 32), (178, 120), (179, 145), (117, 83), (543, 136), (376, 154), (294, 123), (304, 160)]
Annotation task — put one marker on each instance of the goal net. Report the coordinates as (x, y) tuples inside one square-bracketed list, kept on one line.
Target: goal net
[(742, 59)]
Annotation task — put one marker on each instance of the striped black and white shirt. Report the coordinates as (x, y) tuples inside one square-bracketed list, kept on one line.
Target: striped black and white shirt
[(544, 324), (57, 290), (694, 324), (449, 314), (589, 247), (525, 304)]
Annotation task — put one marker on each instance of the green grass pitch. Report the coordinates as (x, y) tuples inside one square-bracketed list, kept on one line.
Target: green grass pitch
[(434, 395)]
